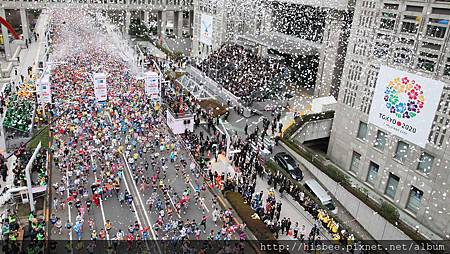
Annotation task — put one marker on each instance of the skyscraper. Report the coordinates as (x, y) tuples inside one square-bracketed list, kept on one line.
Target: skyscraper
[(409, 41)]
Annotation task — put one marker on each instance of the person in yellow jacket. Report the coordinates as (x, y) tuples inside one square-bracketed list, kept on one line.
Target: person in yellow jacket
[(120, 149), (336, 238), (350, 239), (320, 215), (326, 219), (330, 223), (335, 227)]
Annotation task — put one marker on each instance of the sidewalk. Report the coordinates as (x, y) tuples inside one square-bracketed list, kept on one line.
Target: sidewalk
[(343, 213), (28, 57), (290, 208)]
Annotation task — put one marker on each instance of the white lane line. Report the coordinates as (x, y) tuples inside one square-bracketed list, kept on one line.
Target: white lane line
[(132, 203), (203, 203), (237, 121), (171, 201), (101, 203), (68, 207), (139, 196), (142, 204), (221, 132), (128, 189)]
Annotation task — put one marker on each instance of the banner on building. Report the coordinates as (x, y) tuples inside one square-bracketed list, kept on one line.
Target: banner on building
[(206, 29), (151, 80), (44, 90), (100, 87), (405, 104)]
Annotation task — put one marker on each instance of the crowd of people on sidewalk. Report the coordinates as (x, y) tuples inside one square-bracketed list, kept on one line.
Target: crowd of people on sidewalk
[(241, 71), (249, 163), (321, 216)]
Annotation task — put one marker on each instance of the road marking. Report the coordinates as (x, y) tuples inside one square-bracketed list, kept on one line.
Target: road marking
[(190, 183), (101, 202), (68, 207), (127, 187), (237, 121), (139, 196), (142, 204), (171, 201)]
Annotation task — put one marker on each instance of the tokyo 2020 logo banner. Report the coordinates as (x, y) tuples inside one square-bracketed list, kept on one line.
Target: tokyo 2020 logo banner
[(206, 29), (405, 104)]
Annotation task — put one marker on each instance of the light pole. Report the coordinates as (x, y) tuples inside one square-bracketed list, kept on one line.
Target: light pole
[(28, 177), (227, 137)]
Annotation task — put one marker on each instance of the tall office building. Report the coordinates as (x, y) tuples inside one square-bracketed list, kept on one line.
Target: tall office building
[(311, 36), (390, 130)]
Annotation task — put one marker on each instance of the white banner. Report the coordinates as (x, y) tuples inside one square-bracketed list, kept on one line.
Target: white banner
[(151, 80), (206, 29), (100, 87), (405, 104), (44, 90)]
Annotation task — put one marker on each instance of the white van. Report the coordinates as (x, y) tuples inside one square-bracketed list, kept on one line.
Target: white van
[(316, 189)]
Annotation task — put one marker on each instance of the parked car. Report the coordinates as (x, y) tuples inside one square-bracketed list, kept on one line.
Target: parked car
[(289, 164)]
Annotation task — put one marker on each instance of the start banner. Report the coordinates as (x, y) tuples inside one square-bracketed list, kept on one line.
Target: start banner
[(44, 90), (151, 80), (100, 87)]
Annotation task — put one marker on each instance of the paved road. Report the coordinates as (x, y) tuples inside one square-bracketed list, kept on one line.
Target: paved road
[(108, 123), (124, 216)]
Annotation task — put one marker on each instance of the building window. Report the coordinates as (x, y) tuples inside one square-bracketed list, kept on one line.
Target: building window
[(408, 27), (362, 131), (447, 69), (414, 200), (425, 163), (402, 151), (380, 141), (388, 24), (373, 173), (391, 187), (381, 49), (430, 45), (436, 31), (356, 160), (426, 64), (402, 57)]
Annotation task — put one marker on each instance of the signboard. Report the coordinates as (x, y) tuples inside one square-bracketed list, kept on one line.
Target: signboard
[(405, 104), (100, 87), (44, 90), (206, 29), (151, 80)]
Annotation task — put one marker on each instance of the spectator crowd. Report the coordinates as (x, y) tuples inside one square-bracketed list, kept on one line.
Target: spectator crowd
[(241, 71)]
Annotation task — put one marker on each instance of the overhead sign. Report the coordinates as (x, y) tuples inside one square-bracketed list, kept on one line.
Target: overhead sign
[(100, 87), (206, 29), (151, 80), (44, 90), (405, 104)]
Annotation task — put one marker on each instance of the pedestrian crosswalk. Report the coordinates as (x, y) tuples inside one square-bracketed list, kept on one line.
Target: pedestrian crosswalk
[(267, 142)]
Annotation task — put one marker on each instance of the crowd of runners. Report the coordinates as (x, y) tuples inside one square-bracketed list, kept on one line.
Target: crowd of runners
[(95, 143)]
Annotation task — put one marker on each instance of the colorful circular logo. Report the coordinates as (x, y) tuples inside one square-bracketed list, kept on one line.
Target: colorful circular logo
[(404, 97)]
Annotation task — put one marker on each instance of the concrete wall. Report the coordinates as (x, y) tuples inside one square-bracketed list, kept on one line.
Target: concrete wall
[(343, 142), (329, 56), (377, 226), (314, 130)]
